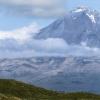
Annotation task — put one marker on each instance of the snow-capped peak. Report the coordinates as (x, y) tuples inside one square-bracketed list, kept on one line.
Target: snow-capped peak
[(88, 12), (81, 9), (80, 24)]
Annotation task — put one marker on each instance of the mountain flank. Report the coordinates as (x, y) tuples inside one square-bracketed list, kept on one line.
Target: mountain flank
[(77, 26)]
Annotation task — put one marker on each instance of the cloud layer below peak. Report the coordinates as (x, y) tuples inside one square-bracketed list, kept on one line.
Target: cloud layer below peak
[(21, 43)]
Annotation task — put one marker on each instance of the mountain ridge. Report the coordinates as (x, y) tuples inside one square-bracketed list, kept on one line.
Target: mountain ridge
[(55, 73)]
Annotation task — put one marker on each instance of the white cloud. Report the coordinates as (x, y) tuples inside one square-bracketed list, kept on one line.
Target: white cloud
[(35, 8), (50, 47), (20, 43), (20, 34), (32, 2)]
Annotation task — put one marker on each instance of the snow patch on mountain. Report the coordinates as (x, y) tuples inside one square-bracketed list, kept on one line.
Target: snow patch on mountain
[(80, 9), (92, 18)]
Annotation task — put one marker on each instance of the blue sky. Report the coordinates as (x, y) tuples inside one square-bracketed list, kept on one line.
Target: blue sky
[(92, 4), (12, 19)]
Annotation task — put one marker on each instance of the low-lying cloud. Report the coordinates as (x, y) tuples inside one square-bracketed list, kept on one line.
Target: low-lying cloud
[(34, 8), (21, 43), (21, 34)]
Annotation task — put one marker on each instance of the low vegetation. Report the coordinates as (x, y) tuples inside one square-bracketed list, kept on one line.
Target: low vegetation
[(15, 90)]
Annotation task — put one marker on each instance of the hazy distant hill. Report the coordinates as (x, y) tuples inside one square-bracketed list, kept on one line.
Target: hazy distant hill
[(69, 74)]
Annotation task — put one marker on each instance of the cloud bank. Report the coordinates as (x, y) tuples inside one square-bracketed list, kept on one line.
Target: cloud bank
[(34, 8), (21, 43), (21, 34), (10, 48)]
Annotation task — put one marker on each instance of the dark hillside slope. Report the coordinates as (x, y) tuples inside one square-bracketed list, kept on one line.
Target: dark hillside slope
[(15, 90)]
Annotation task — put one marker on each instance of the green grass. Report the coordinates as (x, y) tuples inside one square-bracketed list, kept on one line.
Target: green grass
[(8, 97), (15, 90)]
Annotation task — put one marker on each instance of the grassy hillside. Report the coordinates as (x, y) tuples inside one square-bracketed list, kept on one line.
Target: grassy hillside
[(15, 90), (8, 97)]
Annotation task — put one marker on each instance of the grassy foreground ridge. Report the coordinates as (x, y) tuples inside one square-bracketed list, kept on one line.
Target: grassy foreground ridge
[(15, 90)]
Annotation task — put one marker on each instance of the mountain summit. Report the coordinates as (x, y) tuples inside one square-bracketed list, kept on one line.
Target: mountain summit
[(81, 9), (77, 26)]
